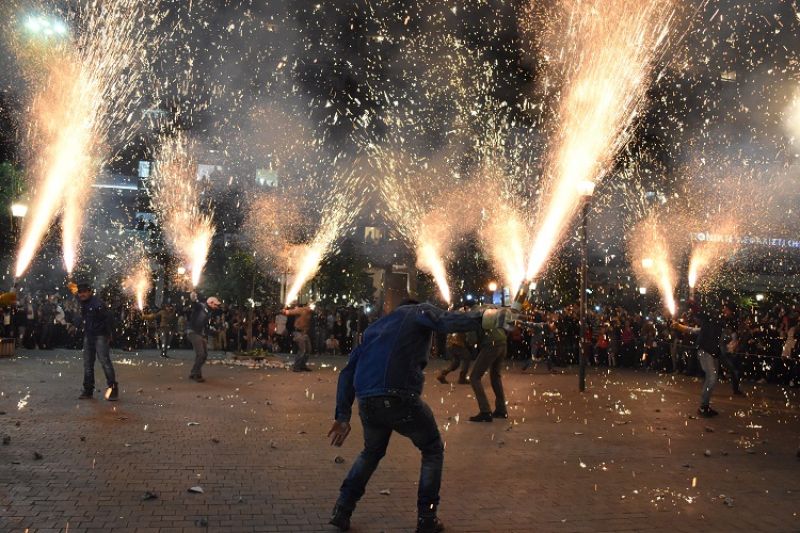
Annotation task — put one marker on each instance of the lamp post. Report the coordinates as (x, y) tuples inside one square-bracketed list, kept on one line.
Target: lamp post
[(46, 27), (586, 190), (18, 212), (492, 289)]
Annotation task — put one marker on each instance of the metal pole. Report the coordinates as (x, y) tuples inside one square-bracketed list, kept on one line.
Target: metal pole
[(583, 310)]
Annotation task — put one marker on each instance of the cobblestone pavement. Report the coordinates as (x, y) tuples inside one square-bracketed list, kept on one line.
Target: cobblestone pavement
[(625, 456)]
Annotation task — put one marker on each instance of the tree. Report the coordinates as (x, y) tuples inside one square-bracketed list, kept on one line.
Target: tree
[(10, 190), (342, 278)]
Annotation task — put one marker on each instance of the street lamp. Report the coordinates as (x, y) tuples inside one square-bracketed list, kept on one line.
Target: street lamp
[(19, 210), (44, 26), (647, 262), (492, 286), (586, 190)]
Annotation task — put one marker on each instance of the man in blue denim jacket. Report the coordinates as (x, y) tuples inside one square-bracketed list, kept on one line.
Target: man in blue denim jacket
[(385, 373)]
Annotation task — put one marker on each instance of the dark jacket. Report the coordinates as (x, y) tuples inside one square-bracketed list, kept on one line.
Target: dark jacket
[(711, 331), (96, 318), (394, 352), (198, 320)]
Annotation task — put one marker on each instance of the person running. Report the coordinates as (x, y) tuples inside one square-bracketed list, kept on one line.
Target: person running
[(385, 373), (196, 333), (96, 334)]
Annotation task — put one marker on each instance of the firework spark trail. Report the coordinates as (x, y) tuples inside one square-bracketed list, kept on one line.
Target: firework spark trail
[(505, 235), (608, 48), (707, 257), (138, 281), (272, 227), (61, 136), (422, 217), (337, 215), (417, 177), (84, 92), (177, 199), (653, 258)]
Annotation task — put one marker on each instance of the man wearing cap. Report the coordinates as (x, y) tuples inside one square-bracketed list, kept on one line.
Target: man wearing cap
[(96, 333), (196, 333)]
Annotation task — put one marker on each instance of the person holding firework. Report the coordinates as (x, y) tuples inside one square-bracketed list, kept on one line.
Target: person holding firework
[(96, 338)]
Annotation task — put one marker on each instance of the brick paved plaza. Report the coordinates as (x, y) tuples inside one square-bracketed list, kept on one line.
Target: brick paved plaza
[(625, 456)]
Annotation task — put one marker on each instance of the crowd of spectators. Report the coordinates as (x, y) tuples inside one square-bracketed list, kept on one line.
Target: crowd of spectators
[(51, 321), (765, 349), (763, 341)]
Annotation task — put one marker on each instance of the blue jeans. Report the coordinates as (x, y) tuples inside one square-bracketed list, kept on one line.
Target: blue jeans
[(412, 418), (710, 366), (96, 348)]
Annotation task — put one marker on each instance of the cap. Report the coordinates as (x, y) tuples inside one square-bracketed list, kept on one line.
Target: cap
[(83, 286), (213, 300)]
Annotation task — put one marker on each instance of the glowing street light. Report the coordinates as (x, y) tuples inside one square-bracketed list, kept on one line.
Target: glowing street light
[(759, 297), (46, 26), (585, 188), (647, 262), (492, 286), (642, 290), (181, 271), (19, 210)]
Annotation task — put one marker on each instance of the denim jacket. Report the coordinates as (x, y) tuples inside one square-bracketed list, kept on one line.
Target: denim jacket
[(394, 352)]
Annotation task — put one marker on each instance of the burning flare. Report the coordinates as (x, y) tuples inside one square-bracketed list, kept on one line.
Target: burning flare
[(504, 235), (708, 255), (84, 90), (138, 282), (63, 139), (337, 215), (652, 258), (177, 199), (607, 49)]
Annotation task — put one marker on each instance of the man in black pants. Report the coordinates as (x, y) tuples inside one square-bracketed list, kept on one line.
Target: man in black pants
[(196, 333), (492, 355), (97, 333), (385, 374)]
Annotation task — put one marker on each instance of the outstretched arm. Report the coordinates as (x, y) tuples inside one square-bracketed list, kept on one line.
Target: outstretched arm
[(443, 321), (345, 396)]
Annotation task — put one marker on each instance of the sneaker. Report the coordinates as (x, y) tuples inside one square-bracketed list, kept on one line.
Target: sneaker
[(499, 414), (112, 393), (706, 412), (86, 395), (165, 356), (340, 518), (481, 417), (198, 379), (442, 379), (429, 524)]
